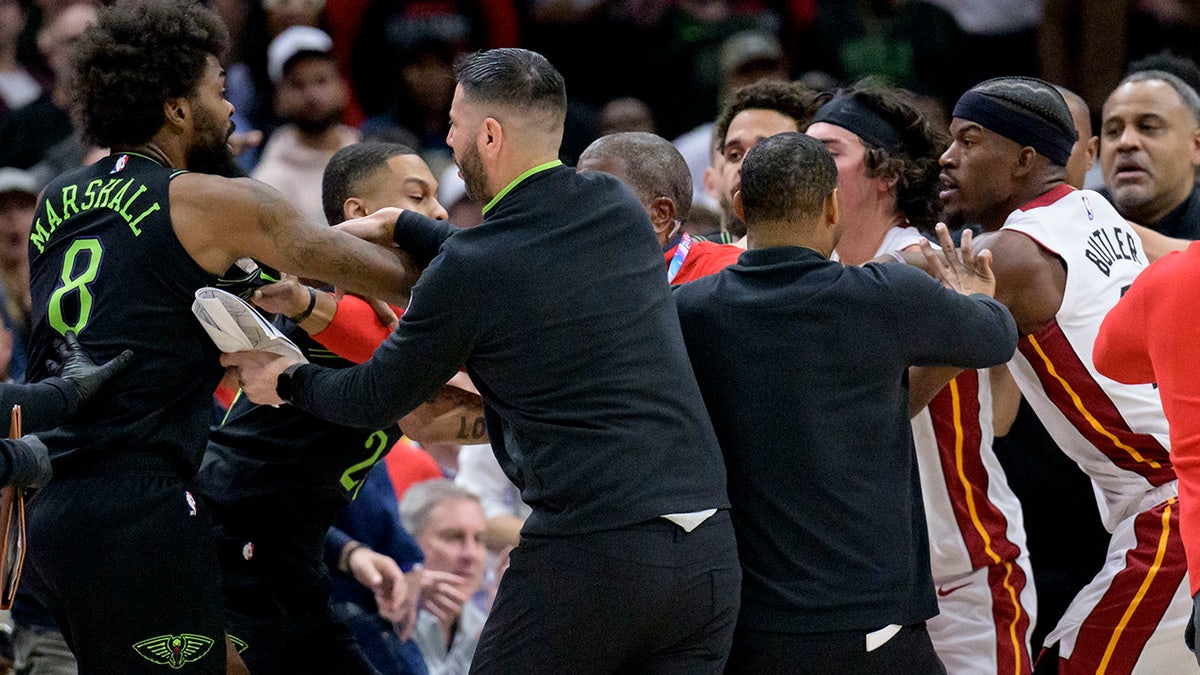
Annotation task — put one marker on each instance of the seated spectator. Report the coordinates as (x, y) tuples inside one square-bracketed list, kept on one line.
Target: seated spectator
[(448, 524)]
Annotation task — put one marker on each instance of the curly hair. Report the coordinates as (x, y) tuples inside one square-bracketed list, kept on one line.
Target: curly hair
[(139, 55), (914, 162), (787, 98)]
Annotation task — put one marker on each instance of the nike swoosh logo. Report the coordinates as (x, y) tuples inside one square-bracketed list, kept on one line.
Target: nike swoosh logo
[(943, 592)]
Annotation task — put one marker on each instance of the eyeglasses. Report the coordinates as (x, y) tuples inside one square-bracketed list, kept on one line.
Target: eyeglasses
[(12, 529)]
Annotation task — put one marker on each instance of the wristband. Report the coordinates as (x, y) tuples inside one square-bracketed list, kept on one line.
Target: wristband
[(344, 561), (312, 303), (898, 257)]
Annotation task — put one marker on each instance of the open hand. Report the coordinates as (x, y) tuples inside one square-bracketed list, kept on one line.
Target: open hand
[(81, 372), (960, 268)]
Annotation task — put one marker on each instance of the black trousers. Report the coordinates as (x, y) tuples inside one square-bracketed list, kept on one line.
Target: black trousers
[(649, 598), (277, 610), (909, 652), (122, 555)]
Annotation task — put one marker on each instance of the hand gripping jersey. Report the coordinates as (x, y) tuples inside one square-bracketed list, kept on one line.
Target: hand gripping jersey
[(1117, 433)]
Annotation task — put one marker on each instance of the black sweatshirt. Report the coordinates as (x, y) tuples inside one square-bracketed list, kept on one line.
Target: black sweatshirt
[(559, 308), (803, 366)]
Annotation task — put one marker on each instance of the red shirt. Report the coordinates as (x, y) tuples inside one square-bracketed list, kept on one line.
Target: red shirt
[(1151, 336), (703, 258)]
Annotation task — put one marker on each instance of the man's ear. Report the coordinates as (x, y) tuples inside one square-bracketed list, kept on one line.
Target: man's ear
[(710, 182), (1026, 161), (1093, 150), (353, 207), (491, 137), (177, 112), (832, 211), (662, 212), (738, 209)]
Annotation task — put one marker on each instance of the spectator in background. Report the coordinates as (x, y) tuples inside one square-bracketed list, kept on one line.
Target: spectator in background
[(745, 57), (18, 200), (396, 33), (18, 85), (419, 93), (311, 96), (448, 523), (28, 133), (481, 474), (373, 520), (1000, 36), (1149, 155), (1082, 45), (626, 114), (914, 44), (1170, 25)]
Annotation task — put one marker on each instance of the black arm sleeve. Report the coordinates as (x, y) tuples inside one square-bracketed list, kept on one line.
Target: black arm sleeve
[(433, 340), (420, 236), (44, 405), (950, 329)]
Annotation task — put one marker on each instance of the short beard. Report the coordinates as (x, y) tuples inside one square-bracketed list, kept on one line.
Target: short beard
[(955, 220), (212, 155), (1130, 202), (475, 177), (733, 225), (218, 161), (317, 126)]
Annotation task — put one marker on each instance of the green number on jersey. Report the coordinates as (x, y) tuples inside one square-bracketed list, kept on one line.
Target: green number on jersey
[(80, 283), (353, 477)]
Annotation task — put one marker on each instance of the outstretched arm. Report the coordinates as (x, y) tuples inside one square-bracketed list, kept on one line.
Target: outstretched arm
[(257, 221), (416, 360)]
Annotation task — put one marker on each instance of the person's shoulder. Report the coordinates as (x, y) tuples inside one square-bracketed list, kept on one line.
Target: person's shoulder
[(223, 190), (713, 249), (698, 292)]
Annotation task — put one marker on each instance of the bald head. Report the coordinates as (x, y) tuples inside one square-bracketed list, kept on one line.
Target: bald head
[(1083, 153), (652, 167)]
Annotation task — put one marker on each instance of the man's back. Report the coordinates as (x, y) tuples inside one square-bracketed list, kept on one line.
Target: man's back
[(811, 410), (105, 262), (584, 372), (565, 322)]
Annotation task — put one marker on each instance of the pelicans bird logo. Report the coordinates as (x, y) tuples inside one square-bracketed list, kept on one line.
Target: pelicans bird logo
[(174, 650)]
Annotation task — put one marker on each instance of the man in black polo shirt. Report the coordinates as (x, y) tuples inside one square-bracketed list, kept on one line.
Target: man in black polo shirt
[(559, 308), (812, 413)]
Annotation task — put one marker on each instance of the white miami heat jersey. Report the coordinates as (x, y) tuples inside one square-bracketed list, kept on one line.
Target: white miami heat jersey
[(1115, 432)]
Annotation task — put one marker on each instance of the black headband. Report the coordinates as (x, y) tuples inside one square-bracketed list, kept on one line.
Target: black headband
[(1015, 123), (861, 120)]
